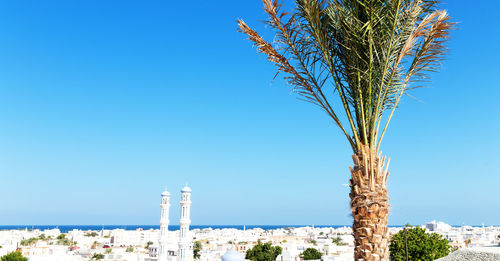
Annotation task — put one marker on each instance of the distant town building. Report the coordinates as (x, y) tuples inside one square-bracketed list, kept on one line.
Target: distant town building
[(233, 255), (434, 226)]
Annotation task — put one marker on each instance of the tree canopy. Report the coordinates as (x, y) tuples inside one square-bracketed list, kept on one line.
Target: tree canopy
[(97, 256), (338, 241), (421, 245), (263, 252), (311, 254), (355, 59), (197, 247), (13, 256)]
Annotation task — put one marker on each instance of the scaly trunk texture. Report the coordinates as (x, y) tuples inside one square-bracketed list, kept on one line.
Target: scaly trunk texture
[(370, 206)]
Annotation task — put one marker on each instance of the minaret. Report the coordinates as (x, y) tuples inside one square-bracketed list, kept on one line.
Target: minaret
[(185, 248), (165, 206)]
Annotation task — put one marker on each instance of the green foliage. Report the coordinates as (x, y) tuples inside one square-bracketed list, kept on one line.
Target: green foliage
[(149, 243), (338, 241), (355, 58), (64, 241), (263, 252), (97, 256), (108, 251), (61, 236), (311, 254), (421, 245), (29, 241), (13, 256), (129, 249), (312, 241), (91, 234), (197, 247)]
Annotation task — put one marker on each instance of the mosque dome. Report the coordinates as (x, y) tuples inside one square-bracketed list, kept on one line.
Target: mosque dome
[(186, 189), (233, 255), (165, 193)]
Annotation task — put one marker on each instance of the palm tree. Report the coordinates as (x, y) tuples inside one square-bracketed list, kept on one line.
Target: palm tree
[(355, 59)]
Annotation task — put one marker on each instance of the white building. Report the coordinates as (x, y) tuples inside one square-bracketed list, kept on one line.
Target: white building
[(163, 251), (174, 245), (185, 240), (233, 255), (434, 226)]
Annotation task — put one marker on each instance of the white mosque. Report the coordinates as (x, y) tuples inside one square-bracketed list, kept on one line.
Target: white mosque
[(166, 249)]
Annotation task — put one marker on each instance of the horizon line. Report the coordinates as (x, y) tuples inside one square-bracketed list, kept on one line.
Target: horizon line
[(253, 225)]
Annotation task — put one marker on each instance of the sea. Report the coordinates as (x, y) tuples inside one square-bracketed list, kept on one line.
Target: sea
[(67, 228)]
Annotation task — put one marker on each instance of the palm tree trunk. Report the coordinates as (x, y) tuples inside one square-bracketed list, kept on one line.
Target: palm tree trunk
[(370, 206)]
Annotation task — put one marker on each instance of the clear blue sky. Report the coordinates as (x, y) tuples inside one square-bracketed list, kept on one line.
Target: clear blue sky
[(103, 103)]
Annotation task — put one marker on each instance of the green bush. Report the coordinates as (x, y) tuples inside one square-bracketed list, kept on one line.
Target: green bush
[(64, 241), (338, 241), (311, 254), (97, 256), (197, 247), (91, 234), (421, 245), (13, 256), (263, 252), (29, 241), (312, 241)]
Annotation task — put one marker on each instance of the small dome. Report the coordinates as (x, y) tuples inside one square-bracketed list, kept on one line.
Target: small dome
[(233, 255), (165, 193), (186, 189)]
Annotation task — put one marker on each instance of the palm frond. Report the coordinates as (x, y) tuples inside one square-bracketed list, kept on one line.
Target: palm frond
[(355, 58)]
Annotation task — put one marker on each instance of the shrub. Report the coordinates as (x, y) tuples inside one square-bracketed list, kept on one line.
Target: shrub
[(263, 252), (13, 256), (312, 241), (338, 241), (197, 247), (421, 245), (91, 234), (64, 242), (311, 254), (29, 241), (97, 256)]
